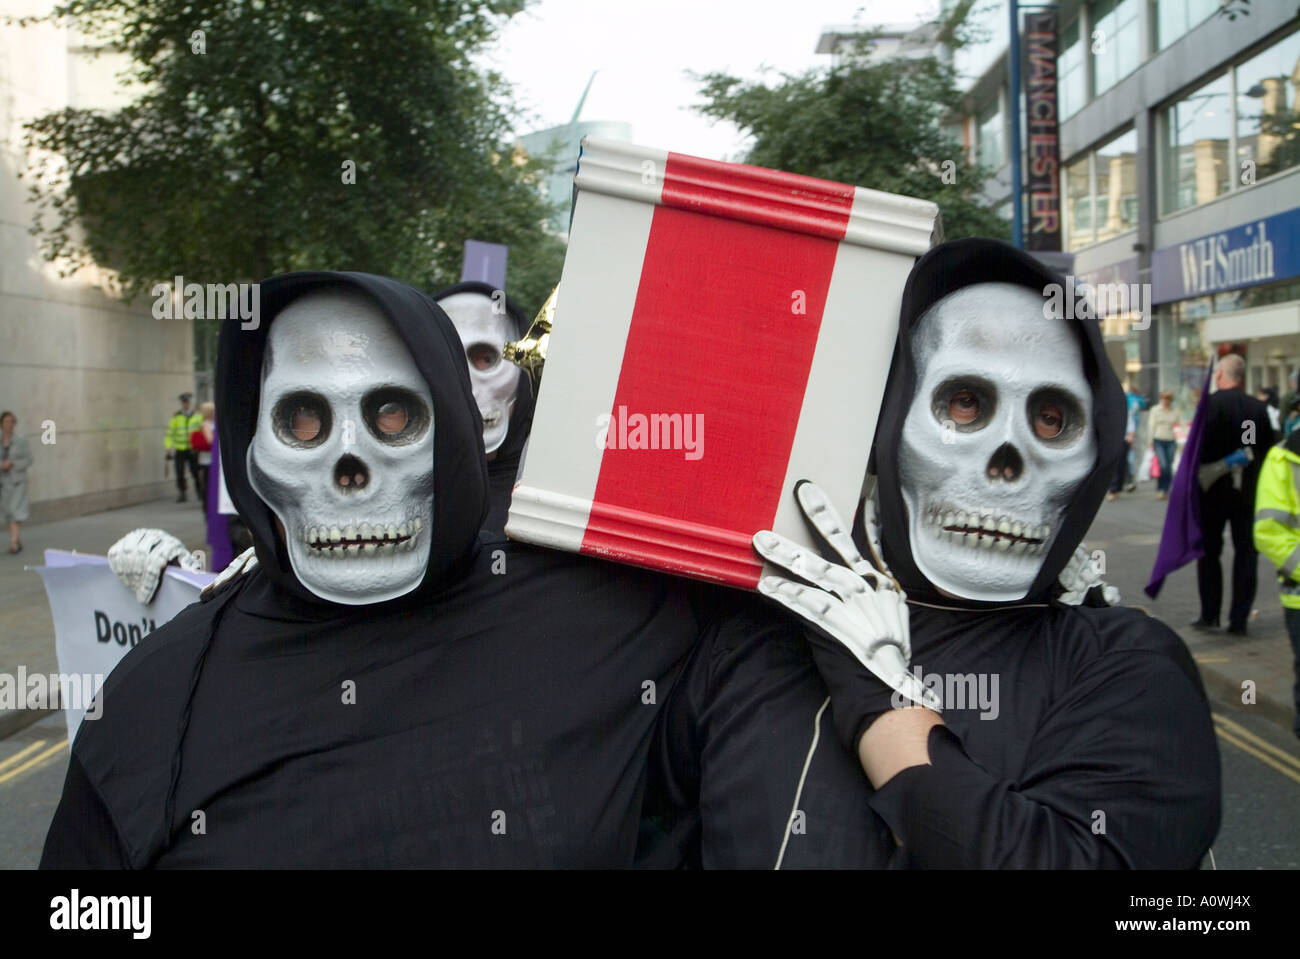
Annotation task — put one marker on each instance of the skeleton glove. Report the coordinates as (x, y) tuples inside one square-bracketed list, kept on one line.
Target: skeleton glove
[(857, 619), (140, 557), (1080, 577)]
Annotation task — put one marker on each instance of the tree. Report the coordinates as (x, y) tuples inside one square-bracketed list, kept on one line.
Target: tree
[(877, 124), (274, 135)]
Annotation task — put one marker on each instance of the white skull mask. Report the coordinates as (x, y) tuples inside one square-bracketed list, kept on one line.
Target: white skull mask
[(343, 449), (485, 328), (997, 439)]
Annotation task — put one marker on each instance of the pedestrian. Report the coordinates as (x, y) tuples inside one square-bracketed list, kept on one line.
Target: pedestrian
[(1125, 469), (177, 443), (1163, 419), (1236, 424), (1292, 396), (201, 444), (15, 458), (1136, 404), (1268, 396), (1277, 536), (1292, 417)]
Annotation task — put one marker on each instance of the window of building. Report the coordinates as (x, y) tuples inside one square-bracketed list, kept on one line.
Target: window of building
[(1173, 18), (1265, 294), (1100, 190), (1116, 199), (1183, 358), (1069, 71), (990, 136), (1077, 190), (1114, 45), (1268, 124), (1194, 147)]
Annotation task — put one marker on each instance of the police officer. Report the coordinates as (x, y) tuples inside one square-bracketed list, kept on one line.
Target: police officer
[(177, 443)]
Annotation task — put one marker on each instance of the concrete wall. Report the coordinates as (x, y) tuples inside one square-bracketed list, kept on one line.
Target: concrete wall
[(105, 373)]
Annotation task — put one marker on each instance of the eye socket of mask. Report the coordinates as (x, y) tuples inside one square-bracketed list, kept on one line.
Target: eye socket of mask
[(483, 357), (968, 402), (302, 419), (395, 416), (1056, 416)]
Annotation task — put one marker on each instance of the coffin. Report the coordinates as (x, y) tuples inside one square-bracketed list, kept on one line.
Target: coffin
[(721, 331)]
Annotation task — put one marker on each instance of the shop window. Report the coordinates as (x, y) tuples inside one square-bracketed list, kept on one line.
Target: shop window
[(1069, 71), (1194, 147), (1078, 203), (1114, 42), (1116, 183), (1268, 124), (1173, 18), (990, 137), (1100, 190)]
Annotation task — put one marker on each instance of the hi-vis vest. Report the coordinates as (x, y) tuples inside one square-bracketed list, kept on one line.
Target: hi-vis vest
[(1277, 519), (179, 429)]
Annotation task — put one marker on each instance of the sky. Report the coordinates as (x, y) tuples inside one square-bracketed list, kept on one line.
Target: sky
[(644, 51)]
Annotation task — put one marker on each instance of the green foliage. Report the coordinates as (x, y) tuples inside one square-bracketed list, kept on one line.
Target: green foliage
[(231, 164), (874, 124)]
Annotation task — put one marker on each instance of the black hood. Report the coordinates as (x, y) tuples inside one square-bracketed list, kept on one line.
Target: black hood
[(459, 474), (944, 270), (521, 415)]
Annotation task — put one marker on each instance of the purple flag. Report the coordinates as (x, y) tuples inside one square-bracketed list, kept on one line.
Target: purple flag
[(485, 262), (218, 537), (1181, 541)]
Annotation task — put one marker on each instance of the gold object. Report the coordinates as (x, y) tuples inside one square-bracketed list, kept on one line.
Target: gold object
[(530, 352)]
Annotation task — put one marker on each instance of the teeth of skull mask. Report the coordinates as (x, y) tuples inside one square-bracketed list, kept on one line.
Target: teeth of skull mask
[(343, 449), (484, 331), (997, 439)]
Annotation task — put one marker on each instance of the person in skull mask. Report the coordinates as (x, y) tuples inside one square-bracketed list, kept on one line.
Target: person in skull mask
[(487, 320), (1000, 428), (362, 697)]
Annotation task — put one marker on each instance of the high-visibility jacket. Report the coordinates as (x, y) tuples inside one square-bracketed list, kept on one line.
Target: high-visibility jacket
[(1277, 519), (179, 428)]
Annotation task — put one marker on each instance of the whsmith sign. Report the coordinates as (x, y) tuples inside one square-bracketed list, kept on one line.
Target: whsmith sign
[(1257, 252)]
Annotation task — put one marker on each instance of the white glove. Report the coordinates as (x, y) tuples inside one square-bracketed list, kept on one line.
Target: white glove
[(140, 557), (245, 562), (1080, 575), (861, 607)]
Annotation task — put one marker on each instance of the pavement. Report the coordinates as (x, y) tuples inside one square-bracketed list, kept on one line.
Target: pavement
[(1126, 532), (26, 629), (1237, 669)]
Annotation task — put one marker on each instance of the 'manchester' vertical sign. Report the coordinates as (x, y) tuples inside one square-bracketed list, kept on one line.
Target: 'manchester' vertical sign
[(1044, 148)]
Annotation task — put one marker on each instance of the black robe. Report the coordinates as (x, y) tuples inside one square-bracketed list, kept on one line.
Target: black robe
[(1101, 753), (499, 715)]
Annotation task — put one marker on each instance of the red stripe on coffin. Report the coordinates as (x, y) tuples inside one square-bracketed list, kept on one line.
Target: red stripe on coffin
[(679, 359), (757, 195), (675, 546)]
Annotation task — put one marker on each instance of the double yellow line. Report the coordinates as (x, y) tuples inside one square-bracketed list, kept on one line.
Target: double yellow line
[(15, 766), (1248, 742)]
